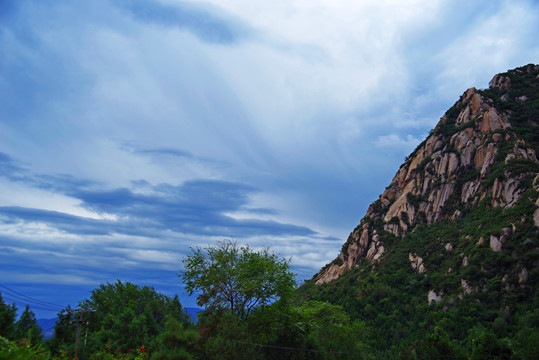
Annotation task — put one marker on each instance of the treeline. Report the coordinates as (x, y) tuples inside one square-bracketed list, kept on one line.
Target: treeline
[(24, 328), (253, 310), (249, 314)]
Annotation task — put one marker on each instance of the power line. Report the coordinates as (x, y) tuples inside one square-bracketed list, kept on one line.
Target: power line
[(32, 300), (33, 306), (21, 301)]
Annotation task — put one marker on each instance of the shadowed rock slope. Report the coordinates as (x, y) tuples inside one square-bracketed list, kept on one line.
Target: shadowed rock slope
[(458, 224)]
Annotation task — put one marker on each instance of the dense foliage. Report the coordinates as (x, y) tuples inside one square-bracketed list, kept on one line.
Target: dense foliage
[(121, 317), (391, 296), (25, 328), (248, 313), (483, 302), (20, 339)]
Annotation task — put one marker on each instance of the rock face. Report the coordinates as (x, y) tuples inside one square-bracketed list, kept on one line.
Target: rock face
[(473, 155), (417, 263), (433, 297)]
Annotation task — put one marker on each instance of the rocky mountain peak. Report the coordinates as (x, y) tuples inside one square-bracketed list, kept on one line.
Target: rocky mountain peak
[(476, 153)]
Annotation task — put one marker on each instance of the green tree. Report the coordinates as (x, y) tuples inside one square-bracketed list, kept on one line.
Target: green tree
[(437, 345), (27, 328), (178, 341), (126, 316), (526, 342), (333, 329), (487, 345), (64, 333), (236, 278), (8, 314), (232, 338)]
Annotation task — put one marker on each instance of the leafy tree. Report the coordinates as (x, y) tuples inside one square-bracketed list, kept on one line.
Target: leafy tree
[(7, 318), (526, 342), (437, 345), (177, 342), (232, 338), (487, 345), (293, 337), (331, 326), (64, 333), (27, 328), (236, 278)]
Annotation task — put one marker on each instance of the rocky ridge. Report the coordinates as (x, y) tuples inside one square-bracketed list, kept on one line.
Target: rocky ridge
[(475, 154)]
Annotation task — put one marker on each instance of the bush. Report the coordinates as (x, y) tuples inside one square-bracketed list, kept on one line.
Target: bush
[(23, 350)]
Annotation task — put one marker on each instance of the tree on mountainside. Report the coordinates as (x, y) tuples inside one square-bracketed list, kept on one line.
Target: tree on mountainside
[(236, 278)]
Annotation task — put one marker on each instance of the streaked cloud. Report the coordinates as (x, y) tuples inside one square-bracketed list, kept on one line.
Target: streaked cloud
[(208, 23), (132, 130)]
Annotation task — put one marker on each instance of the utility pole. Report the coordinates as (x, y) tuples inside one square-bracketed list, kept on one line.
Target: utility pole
[(80, 322)]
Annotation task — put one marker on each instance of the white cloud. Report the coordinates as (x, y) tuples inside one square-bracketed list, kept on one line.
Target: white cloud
[(315, 106), (495, 42), (394, 141), (45, 278), (24, 195)]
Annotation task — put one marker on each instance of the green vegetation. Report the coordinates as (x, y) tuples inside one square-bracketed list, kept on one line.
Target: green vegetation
[(236, 278), (488, 299), (487, 320), (249, 314), (24, 329), (8, 314), (24, 350), (118, 318)]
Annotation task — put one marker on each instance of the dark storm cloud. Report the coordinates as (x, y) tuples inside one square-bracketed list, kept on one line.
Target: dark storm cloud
[(61, 221), (195, 207)]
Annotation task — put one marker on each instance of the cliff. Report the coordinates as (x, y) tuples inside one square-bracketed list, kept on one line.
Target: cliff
[(483, 151)]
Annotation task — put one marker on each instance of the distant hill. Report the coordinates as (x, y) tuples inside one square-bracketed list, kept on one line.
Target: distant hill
[(47, 325), (452, 244)]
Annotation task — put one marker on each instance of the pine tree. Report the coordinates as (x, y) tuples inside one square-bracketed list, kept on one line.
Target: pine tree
[(7, 319), (27, 328)]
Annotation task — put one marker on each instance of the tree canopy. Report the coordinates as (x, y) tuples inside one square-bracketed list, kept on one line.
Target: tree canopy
[(236, 278), (24, 328), (125, 317)]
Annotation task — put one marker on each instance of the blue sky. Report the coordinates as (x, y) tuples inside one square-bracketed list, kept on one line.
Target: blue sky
[(131, 131)]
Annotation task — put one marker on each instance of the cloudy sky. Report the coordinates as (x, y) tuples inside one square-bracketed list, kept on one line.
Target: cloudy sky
[(131, 130)]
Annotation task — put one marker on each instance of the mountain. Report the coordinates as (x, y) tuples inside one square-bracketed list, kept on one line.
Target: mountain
[(454, 237), (47, 325)]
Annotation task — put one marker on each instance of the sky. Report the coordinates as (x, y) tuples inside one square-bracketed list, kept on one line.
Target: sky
[(133, 130)]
